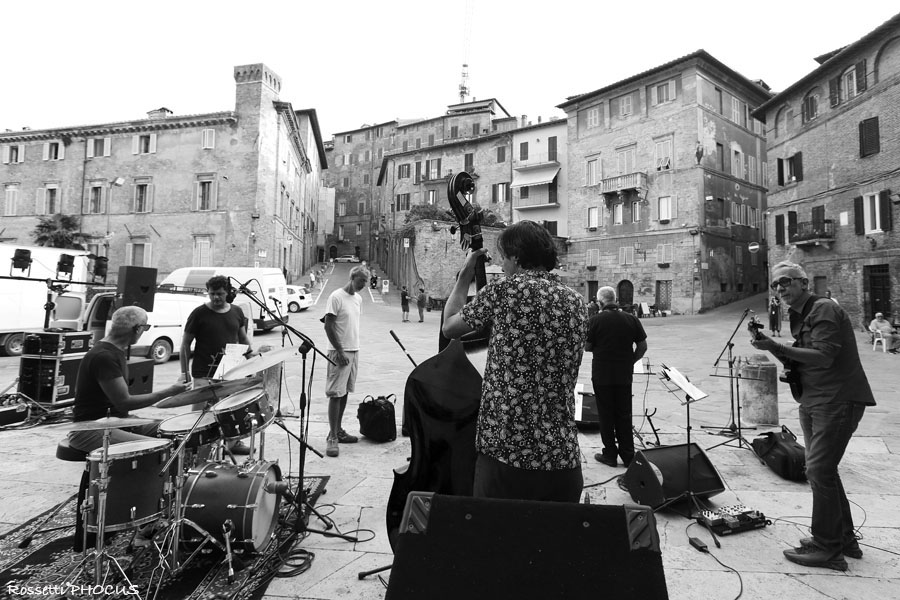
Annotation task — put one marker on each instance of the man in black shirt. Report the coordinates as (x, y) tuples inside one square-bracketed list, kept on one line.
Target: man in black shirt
[(617, 340), (102, 386)]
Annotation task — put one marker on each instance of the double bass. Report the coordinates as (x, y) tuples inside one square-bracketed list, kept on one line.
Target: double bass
[(443, 394)]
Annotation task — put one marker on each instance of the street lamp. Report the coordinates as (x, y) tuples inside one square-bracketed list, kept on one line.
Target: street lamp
[(117, 182)]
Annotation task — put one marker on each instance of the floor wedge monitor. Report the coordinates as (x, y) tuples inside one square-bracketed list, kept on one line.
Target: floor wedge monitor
[(452, 547), (659, 475)]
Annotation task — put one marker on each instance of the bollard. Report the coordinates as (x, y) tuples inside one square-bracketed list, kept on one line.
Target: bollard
[(759, 390)]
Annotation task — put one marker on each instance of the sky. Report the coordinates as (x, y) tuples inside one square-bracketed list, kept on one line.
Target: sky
[(88, 62)]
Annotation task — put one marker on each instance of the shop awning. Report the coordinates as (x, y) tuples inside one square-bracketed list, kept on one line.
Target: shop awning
[(531, 177)]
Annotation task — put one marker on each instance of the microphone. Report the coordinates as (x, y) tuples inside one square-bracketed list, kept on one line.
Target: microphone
[(280, 487), (242, 287), (274, 299)]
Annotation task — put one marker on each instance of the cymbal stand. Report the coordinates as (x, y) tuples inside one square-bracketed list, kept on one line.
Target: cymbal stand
[(99, 555)]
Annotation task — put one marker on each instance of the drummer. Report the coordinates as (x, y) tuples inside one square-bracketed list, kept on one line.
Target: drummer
[(102, 390)]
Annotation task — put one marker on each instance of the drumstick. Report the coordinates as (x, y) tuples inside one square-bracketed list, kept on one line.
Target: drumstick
[(396, 339)]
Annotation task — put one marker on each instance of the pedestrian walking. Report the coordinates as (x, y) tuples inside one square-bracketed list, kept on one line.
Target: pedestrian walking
[(404, 304), (420, 303)]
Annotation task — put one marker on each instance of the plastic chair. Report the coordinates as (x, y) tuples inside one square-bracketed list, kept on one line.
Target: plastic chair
[(878, 337)]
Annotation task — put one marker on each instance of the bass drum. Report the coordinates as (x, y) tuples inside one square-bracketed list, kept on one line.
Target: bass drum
[(218, 492)]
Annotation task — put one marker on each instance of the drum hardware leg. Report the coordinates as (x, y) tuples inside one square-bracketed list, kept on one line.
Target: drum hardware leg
[(232, 560), (40, 527), (278, 421)]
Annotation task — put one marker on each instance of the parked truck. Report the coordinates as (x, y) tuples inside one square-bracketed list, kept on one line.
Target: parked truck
[(24, 293)]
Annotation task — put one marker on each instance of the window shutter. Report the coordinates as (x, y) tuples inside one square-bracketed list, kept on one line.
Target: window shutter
[(195, 205), (214, 195), (40, 207), (149, 207), (884, 201), (507, 193), (21, 153), (654, 95), (135, 143), (494, 193), (861, 76), (439, 172), (152, 143), (798, 166), (129, 253), (5, 155), (62, 151), (46, 151), (661, 253), (792, 224), (859, 221), (779, 230), (622, 256), (780, 172), (148, 255), (672, 90), (90, 147), (834, 91)]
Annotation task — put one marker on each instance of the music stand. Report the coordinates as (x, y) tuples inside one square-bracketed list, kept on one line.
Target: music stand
[(734, 429), (642, 367), (675, 382)]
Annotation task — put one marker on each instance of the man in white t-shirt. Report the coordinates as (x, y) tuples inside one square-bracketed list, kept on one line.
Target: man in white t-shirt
[(342, 313)]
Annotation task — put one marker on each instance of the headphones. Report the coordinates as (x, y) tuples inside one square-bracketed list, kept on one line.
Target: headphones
[(230, 294)]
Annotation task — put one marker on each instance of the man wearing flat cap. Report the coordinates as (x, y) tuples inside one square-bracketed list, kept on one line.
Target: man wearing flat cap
[(828, 381)]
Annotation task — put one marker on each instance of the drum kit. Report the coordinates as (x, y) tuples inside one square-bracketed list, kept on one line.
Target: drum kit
[(180, 488)]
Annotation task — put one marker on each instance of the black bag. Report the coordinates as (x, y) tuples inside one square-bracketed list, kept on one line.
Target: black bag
[(781, 451), (376, 418)]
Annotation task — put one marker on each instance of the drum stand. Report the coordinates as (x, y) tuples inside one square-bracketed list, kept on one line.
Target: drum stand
[(99, 555)]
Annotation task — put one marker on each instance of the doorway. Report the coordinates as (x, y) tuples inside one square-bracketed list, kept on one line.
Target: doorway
[(663, 295), (593, 286), (625, 293), (877, 279)]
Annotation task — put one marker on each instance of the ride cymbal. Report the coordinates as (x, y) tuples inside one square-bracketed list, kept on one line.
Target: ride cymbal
[(213, 392), (111, 423), (262, 361)]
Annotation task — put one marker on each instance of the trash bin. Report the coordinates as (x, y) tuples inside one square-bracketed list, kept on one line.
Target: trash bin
[(759, 390)]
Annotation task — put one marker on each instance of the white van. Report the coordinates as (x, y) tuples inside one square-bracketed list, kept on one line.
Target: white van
[(266, 284), (170, 313)]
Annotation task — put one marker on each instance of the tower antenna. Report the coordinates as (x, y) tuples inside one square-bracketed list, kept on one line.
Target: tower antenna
[(467, 32)]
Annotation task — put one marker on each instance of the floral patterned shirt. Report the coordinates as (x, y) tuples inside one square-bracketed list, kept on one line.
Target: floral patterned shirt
[(538, 325)]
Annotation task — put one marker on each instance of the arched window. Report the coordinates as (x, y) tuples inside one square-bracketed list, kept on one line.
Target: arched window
[(810, 107), (848, 84), (780, 122)]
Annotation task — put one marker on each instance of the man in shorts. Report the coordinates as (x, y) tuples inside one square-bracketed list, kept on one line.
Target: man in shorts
[(342, 313)]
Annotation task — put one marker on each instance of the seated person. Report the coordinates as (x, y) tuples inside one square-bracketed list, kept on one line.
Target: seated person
[(102, 386), (879, 323)]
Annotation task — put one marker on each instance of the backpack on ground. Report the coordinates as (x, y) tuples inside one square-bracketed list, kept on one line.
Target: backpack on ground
[(376, 418), (781, 451)]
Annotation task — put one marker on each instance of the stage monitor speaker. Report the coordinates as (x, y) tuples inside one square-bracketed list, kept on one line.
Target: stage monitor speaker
[(136, 287), (453, 547), (658, 475), (140, 375)]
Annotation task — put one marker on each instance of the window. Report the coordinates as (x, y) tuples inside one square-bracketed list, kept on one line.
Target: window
[(476, 128), (405, 147), (358, 229), (737, 164), (848, 84), (202, 251), (665, 253), (366, 178), (418, 143), (402, 201), (523, 192), (523, 151), (208, 143), (499, 193), (432, 197), (869, 139), (720, 104), (593, 217), (433, 168), (143, 196), (664, 154), (95, 200), (625, 106), (592, 172), (810, 107), (752, 173), (454, 131), (348, 139), (380, 153), (626, 255), (10, 201), (13, 153), (354, 159), (593, 117), (469, 162), (342, 209), (418, 172), (872, 212), (138, 254), (54, 151), (790, 169), (346, 182), (736, 110), (551, 148), (593, 257), (666, 208), (143, 144), (360, 208), (340, 232), (403, 171), (662, 92), (720, 157), (625, 159), (205, 192), (367, 155), (617, 213), (47, 201), (501, 154), (636, 212), (431, 139)]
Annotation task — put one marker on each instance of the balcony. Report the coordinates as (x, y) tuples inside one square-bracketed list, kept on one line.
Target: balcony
[(622, 184), (813, 233), (544, 159)]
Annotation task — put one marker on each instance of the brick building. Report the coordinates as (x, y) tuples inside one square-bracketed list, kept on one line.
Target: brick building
[(834, 142), (231, 188), (666, 186)]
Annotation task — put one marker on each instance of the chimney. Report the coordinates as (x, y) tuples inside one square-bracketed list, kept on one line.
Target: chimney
[(159, 113), (539, 119), (524, 121)]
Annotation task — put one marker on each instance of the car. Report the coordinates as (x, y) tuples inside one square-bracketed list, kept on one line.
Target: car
[(298, 298), (350, 258)]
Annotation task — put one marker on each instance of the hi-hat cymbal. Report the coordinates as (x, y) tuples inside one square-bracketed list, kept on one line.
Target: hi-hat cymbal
[(262, 361), (111, 423), (213, 392)]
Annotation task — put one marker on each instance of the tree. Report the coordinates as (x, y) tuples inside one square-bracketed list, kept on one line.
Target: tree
[(428, 212), (59, 231)]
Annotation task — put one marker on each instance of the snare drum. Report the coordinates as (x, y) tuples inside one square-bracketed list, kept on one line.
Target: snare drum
[(218, 492), (207, 430), (236, 413), (135, 492)]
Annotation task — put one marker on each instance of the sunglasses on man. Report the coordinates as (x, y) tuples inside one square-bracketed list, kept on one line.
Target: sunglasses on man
[(783, 282)]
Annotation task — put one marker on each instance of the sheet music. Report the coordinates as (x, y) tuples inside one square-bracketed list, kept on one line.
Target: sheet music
[(682, 382), (234, 355)]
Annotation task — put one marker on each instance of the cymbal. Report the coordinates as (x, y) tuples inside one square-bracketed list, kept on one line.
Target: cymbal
[(262, 361), (111, 423), (214, 391)]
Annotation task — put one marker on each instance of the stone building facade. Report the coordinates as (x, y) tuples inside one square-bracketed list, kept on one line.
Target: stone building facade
[(834, 186), (666, 186), (232, 188)]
